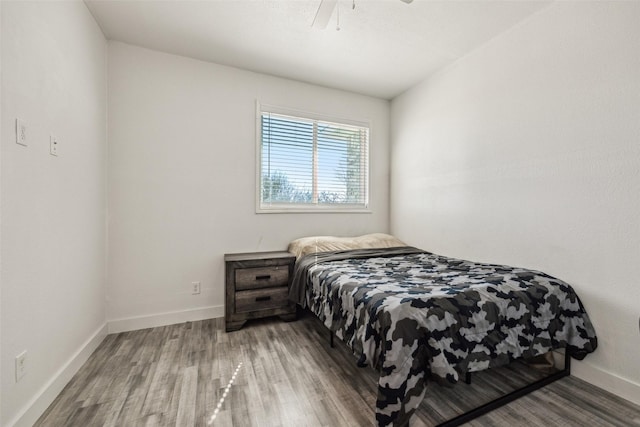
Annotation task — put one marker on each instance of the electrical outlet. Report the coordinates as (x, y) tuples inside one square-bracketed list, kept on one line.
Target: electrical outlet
[(21, 132), (21, 365), (195, 288), (53, 145)]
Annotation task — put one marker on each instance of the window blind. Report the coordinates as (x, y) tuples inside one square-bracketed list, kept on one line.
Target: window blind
[(310, 163)]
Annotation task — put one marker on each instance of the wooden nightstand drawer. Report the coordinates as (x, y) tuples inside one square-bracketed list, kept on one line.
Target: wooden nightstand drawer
[(262, 277), (262, 299)]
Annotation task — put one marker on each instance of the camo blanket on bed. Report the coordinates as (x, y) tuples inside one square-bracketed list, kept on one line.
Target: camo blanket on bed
[(415, 316)]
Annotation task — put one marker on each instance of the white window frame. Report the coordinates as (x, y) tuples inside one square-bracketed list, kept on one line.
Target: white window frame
[(307, 207)]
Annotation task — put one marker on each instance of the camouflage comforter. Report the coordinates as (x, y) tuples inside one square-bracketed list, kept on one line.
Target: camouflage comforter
[(414, 315)]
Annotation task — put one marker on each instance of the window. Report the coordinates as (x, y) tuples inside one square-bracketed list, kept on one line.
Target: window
[(308, 163)]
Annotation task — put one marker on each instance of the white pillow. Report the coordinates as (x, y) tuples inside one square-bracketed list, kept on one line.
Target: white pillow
[(313, 244)]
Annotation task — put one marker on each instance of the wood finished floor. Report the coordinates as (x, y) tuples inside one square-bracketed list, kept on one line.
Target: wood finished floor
[(289, 376)]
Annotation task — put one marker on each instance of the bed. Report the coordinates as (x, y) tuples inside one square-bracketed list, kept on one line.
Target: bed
[(417, 316)]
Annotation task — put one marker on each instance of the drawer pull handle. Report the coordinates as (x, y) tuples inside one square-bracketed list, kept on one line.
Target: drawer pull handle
[(265, 298), (263, 277)]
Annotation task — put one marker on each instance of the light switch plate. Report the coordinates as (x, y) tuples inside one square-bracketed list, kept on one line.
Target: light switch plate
[(21, 365), (21, 132)]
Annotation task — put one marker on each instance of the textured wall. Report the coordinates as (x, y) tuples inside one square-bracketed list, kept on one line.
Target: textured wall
[(526, 152), (182, 142), (53, 208)]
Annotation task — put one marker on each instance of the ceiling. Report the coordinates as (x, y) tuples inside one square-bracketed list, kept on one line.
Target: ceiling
[(383, 47)]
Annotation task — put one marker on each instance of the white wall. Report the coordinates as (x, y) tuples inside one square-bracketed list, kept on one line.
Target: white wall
[(0, 210), (182, 179), (527, 152), (53, 208)]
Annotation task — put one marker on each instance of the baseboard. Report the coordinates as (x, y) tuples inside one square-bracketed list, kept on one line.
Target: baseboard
[(163, 319), (608, 381), (47, 394)]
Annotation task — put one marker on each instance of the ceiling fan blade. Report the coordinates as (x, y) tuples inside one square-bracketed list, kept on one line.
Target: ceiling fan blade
[(324, 14)]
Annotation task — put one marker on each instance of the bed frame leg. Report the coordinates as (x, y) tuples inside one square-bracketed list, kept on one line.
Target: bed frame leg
[(331, 339), (467, 378)]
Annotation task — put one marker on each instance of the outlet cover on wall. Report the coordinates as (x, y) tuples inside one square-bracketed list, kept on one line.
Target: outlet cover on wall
[(53, 145), (21, 365), (195, 288)]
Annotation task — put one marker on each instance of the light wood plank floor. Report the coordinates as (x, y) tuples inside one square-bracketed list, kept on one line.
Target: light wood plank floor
[(287, 375)]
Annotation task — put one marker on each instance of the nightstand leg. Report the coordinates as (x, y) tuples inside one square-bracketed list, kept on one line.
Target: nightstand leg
[(234, 325)]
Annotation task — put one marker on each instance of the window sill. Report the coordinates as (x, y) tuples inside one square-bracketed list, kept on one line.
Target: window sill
[(315, 210)]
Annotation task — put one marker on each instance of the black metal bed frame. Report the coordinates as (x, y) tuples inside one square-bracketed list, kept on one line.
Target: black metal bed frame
[(502, 400), (510, 397)]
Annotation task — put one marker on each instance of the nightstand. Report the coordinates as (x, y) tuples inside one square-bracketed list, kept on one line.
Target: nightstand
[(257, 285)]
